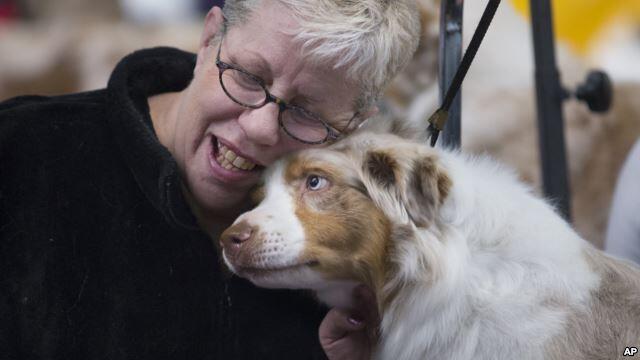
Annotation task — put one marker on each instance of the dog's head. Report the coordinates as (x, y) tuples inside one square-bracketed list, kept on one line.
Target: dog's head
[(328, 216)]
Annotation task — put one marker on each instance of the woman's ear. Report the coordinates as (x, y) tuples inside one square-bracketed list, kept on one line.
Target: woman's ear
[(213, 24)]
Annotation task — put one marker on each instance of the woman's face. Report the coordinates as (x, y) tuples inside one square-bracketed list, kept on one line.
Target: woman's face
[(210, 126)]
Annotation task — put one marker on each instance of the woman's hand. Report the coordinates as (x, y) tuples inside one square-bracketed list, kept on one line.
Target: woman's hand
[(351, 334)]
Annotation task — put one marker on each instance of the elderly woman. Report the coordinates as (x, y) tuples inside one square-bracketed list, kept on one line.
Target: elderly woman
[(110, 199)]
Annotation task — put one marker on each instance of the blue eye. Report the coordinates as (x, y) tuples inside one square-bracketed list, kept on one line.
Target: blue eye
[(315, 182)]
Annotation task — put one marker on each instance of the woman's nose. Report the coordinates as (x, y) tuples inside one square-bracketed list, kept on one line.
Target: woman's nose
[(261, 125)]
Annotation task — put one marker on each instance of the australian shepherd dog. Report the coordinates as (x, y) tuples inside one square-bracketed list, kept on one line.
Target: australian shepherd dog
[(465, 261)]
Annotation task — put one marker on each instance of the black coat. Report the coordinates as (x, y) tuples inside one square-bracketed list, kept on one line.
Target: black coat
[(100, 257)]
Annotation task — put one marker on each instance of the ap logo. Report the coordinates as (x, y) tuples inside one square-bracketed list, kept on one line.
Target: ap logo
[(630, 351)]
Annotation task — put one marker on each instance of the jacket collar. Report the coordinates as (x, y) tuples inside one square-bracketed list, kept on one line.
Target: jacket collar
[(138, 76)]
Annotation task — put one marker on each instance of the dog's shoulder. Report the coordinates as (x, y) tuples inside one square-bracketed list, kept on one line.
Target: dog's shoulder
[(610, 321), (619, 288)]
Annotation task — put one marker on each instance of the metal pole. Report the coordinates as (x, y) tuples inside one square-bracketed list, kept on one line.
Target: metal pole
[(549, 96), (450, 55)]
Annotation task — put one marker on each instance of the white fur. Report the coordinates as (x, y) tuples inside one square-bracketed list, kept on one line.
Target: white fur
[(281, 236), (503, 254)]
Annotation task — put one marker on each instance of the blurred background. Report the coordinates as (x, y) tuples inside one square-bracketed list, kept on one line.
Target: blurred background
[(58, 46)]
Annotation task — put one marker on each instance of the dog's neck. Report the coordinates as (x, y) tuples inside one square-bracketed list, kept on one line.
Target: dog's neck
[(337, 293)]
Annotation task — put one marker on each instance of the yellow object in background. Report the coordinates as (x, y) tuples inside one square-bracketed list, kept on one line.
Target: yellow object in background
[(578, 22)]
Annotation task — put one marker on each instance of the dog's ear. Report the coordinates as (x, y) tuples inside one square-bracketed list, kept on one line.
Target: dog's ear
[(426, 185), (418, 183), (382, 167)]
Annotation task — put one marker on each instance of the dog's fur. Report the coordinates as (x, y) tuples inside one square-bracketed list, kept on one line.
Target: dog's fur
[(465, 262)]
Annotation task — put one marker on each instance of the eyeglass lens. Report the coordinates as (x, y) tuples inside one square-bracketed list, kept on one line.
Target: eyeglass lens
[(248, 91)]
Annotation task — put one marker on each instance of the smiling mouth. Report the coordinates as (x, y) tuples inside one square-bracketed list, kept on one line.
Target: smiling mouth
[(231, 161)]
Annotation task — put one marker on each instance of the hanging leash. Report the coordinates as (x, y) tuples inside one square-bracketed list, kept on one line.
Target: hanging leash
[(439, 118)]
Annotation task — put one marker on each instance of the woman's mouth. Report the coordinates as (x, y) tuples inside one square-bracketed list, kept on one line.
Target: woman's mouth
[(228, 160), (232, 161)]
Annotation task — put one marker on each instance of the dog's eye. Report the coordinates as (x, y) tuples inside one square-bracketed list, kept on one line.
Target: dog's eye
[(315, 182)]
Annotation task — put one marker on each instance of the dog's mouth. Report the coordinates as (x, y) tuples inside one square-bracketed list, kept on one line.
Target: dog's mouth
[(299, 275), (258, 271)]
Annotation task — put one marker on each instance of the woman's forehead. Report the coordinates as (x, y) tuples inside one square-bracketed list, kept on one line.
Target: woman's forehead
[(269, 19), (278, 58)]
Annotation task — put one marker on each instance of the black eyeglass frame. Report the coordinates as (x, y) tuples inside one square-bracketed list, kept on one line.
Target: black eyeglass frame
[(333, 134)]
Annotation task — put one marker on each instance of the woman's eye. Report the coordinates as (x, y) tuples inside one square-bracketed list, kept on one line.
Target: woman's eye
[(244, 80), (315, 182)]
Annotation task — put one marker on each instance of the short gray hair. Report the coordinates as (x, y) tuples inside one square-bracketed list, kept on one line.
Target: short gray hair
[(372, 39)]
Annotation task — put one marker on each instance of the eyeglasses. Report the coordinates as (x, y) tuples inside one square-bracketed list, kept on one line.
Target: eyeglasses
[(250, 91)]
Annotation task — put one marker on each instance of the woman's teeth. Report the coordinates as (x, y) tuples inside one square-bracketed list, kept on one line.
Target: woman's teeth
[(230, 161)]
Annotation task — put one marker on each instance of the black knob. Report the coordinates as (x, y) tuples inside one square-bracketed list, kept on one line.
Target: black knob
[(596, 91)]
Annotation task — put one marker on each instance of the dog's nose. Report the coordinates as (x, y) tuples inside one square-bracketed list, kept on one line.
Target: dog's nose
[(234, 237), (240, 237)]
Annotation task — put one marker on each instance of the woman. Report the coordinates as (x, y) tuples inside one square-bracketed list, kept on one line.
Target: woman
[(109, 200)]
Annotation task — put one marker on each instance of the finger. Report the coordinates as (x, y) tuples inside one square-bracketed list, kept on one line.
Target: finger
[(337, 324)]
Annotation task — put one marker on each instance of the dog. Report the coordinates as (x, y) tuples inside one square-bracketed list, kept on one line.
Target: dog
[(464, 260)]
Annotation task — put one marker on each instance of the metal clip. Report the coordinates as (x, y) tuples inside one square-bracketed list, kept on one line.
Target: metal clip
[(436, 124)]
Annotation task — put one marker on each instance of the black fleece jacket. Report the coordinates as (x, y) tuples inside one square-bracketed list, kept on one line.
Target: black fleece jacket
[(100, 257)]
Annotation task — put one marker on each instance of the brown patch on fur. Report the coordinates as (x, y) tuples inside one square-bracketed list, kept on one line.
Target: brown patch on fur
[(444, 186), (294, 170), (612, 321), (427, 188), (349, 236), (382, 167), (299, 167), (431, 182), (344, 230)]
